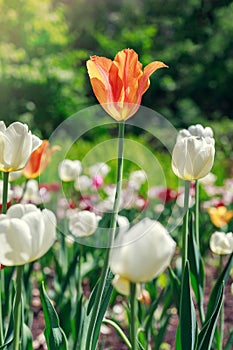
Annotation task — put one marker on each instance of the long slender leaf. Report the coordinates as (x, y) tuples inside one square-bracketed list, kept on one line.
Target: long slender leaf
[(26, 338), (55, 337), (103, 307), (229, 343), (176, 288), (206, 335), (196, 266), (188, 323), (215, 291)]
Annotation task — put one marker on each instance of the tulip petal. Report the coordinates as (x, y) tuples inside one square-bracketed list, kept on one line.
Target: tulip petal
[(15, 242), (148, 70)]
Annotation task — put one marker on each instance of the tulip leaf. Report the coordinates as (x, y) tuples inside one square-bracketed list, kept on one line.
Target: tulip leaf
[(215, 291), (55, 336), (26, 338), (229, 343), (196, 266), (150, 314), (188, 323), (103, 307), (206, 335), (197, 273), (175, 284)]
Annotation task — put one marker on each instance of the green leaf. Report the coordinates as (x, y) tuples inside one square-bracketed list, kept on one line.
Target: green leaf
[(26, 338), (150, 314), (215, 291), (188, 324), (55, 336), (196, 266), (176, 288), (206, 335), (103, 307), (229, 343)]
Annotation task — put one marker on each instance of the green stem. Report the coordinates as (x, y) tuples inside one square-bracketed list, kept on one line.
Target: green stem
[(185, 226), (119, 331), (17, 308), (112, 231), (2, 276), (197, 210), (1, 319), (79, 284), (5, 192), (133, 316), (197, 213), (221, 319)]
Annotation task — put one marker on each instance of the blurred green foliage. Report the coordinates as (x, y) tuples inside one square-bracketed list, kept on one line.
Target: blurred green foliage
[(44, 45)]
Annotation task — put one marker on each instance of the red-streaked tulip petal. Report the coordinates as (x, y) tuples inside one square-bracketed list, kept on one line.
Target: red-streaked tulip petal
[(130, 71), (116, 84), (148, 70)]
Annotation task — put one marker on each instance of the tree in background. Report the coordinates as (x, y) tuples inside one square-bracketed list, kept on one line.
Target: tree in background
[(44, 46)]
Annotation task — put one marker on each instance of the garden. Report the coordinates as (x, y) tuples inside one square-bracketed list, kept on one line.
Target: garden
[(116, 188)]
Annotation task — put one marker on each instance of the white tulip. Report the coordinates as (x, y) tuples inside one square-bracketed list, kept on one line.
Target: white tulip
[(142, 253), (208, 179), (69, 170), (83, 223), (137, 178), (101, 169), (195, 130), (193, 157), (16, 145), (26, 234), (180, 201), (221, 243), (82, 183)]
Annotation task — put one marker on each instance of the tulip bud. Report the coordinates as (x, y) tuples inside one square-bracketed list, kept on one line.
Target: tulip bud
[(26, 234), (16, 145), (83, 223), (193, 157), (221, 243), (141, 254), (69, 169)]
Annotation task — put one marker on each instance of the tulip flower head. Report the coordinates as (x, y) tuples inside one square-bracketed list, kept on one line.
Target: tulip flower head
[(26, 234), (69, 170), (119, 84), (39, 160), (141, 254), (196, 130), (193, 157), (83, 223), (220, 216), (16, 145), (221, 243)]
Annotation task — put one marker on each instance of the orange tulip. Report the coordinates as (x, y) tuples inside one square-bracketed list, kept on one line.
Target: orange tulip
[(119, 85), (220, 216), (39, 160)]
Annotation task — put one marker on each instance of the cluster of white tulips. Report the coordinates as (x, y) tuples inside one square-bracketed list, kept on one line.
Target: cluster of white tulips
[(137, 254)]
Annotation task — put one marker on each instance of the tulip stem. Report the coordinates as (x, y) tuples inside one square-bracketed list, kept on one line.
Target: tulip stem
[(197, 213), (2, 275), (1, 319), (221, 318), (5, 192), (112, 230), (185, 226), (17, 308), (133, 316)]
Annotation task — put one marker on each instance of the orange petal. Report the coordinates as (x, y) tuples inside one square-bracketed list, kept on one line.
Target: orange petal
[(148, 70), (130, 71)]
